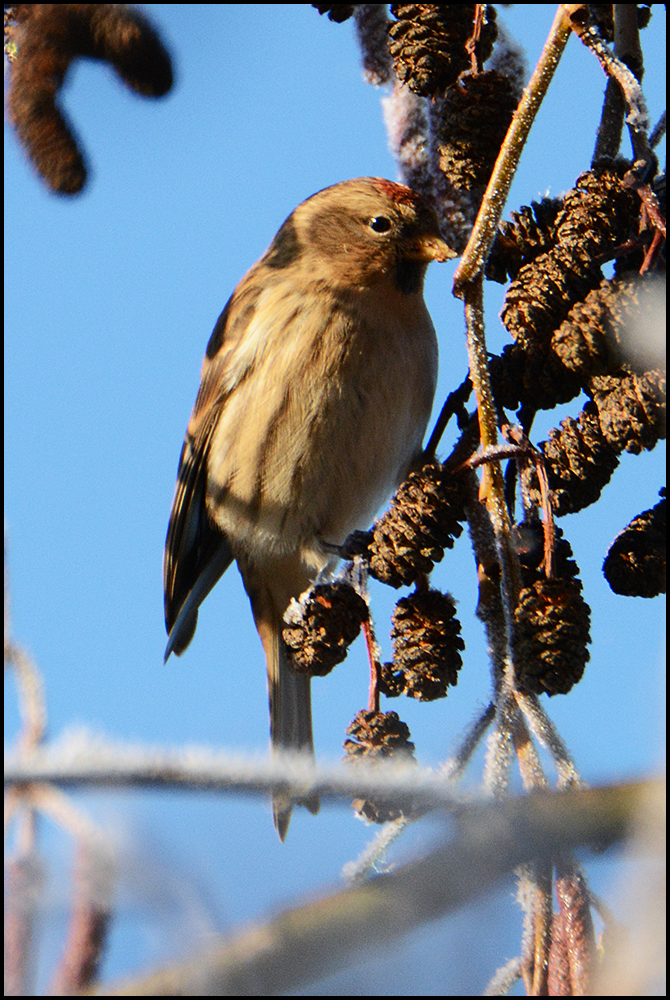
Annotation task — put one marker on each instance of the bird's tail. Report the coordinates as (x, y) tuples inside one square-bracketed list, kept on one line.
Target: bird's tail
[(289, 692)]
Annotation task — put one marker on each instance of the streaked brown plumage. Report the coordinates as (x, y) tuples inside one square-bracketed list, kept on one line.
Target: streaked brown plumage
[(316, 389)]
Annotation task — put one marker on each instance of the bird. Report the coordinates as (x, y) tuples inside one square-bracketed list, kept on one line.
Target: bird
[(316, 389)]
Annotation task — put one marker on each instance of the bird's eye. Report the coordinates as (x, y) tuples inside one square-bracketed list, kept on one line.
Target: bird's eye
[(380, 224)]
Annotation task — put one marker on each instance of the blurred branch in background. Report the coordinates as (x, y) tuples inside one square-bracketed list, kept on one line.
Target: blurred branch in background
[(304, 944)]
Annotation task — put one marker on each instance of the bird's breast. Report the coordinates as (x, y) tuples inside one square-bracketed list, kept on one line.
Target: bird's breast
[(328, 408)]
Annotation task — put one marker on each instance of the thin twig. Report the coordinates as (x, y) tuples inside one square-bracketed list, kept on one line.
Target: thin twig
[(530, 767), (453, 404), (455, 765), (90, 917), (489, 606), (544, 730), (658, 131), (492, 490), (504, 979), (368, 861), (610, 129), (24, 879), (44, 798), (538, 877), (574, 901), (627, 45), (499, 750), (637, 118), (80, 761), (375, 666), (32, 704)]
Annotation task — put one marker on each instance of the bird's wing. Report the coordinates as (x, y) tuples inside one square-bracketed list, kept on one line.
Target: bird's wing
[(197, 552)]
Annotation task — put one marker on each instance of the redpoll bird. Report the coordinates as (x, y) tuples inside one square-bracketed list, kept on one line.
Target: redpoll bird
[(316, 389)]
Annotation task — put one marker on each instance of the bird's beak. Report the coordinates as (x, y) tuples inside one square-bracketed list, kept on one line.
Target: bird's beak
[(431, 247)]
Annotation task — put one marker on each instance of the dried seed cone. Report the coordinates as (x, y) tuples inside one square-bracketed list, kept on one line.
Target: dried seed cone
[(627, 413), (530, 232), (635, 565), (602, 15), (598, 215), (322, 626), (589, 340), (579, 461), (530, 549), (544, 291), (426, 645), (378, 736), (551, 633), (474, 119), (336, 11), (530, 373), (421, 522), (428, 42), (506, 371), (631, 409)]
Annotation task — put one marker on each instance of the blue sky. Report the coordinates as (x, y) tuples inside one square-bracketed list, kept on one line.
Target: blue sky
[(110, 300)]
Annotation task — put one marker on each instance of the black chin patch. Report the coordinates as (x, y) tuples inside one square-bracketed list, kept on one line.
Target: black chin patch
[(285, 247), (409, 276)]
